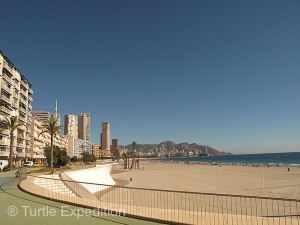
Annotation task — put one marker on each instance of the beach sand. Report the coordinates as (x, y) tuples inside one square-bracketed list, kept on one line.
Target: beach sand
[(237, 180)]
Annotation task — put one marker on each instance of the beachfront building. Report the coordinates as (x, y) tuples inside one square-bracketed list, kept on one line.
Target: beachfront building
[(71, 126), (84, 126), (115, 148), (63, 142), (79, 147), (114, 145), (105, 153), (105, 136), (15, 100), (77, 131), (71, 144), (44, 117), (96, 150), (39, 141), (84, 130)]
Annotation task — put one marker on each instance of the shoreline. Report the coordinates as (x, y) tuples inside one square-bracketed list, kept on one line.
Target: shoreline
[(170, 160), (229, 164)]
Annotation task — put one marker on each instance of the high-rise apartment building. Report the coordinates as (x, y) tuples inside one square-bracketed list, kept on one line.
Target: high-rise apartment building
[(39, 141), (105, 137), (96, 150), (114, 145), (77, 129), (71, 126), (76, 146), (15, 100), (115, 148), (84, 127)]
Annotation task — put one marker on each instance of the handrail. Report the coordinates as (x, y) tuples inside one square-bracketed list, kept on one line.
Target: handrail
[(76, 187)]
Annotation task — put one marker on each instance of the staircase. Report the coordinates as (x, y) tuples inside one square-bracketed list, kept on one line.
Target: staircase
[(54, 184)]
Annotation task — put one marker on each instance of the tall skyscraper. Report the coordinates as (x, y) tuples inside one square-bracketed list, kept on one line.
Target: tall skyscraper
[(84, 127), (71, 126), (105, 140)]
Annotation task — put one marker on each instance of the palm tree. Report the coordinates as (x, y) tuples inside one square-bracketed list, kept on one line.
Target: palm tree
[(133, 145), (11, 124), (51, 127), (125, 159), (132, 153)]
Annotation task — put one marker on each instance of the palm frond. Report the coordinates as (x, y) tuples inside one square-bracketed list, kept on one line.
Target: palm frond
[(51, 126)]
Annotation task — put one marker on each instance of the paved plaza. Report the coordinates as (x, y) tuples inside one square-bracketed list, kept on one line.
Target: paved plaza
[(18, 207)]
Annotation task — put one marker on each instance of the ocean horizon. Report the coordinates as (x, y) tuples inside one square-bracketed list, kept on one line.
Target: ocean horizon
[(275, 159)]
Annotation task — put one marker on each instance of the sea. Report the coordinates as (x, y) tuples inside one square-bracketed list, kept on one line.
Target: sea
[(276, 159)]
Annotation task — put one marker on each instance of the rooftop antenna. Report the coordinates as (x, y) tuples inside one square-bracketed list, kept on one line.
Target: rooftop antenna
[(55, 109)]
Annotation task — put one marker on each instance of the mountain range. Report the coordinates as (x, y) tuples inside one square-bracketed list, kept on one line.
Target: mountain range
[(169, 146)]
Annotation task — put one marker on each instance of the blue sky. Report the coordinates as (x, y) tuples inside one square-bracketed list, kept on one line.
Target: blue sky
[(220, 73)]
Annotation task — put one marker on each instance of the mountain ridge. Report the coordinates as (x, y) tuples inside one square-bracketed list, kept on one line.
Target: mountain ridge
[(172, 147)]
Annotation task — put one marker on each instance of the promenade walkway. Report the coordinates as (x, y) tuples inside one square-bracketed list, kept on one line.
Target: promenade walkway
[(17, 207)]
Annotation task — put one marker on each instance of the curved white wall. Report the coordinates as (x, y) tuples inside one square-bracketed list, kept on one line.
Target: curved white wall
[(97, 175)]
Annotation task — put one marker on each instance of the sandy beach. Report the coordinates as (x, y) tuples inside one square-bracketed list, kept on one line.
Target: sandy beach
[(227, 179), (140, 192)]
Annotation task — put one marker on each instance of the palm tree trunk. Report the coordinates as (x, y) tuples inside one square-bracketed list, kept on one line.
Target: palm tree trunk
[(51, 155), (11, 149)]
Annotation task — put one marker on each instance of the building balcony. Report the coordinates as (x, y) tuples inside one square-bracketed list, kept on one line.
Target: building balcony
[(7, 78), (15, 105), (17, 87), (5, 110), (29, 107), (4, 133), (30, 92), (30, 98), (24, 83), (7, 67), (23, 101), (22, 119), (37, 150), (39, 157), (4, 153), (22, 110), (20, 141), (38, 144), (21, 154), (4, 142), (5, 88), (23, 91), (4, 98)]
